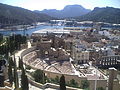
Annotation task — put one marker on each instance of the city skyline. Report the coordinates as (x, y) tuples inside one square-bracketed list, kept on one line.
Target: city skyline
[(60, 4)]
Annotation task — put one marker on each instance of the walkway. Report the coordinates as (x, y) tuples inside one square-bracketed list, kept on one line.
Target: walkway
[(18, 54), (36, 88)]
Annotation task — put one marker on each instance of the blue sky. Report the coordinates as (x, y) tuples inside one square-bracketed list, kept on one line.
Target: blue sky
[(59, 4)]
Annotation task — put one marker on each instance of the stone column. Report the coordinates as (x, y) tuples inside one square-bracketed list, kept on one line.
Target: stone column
[(112, 76)]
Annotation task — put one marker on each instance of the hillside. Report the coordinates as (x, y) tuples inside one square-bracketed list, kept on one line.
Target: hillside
[(107, 14), (16, 15), (68, 11)]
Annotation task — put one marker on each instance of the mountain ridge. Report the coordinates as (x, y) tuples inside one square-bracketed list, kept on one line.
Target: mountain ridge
[(104, 14), (67, 11), (17, 15)]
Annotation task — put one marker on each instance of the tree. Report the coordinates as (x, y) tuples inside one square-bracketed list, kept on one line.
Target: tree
[(57, 79), (62, 83), (20, 64), (11, 61), (24, 81), (16, 81), (85, 84), (10, 74), (73, 83), (2, 81), (1, 37), (53, 41), (100, 88), (38, 76)]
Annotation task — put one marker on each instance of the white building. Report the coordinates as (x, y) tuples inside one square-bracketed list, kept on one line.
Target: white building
[(80, 55)]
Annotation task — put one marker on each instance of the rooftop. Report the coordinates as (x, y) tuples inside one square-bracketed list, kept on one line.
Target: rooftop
[(93, 73)]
